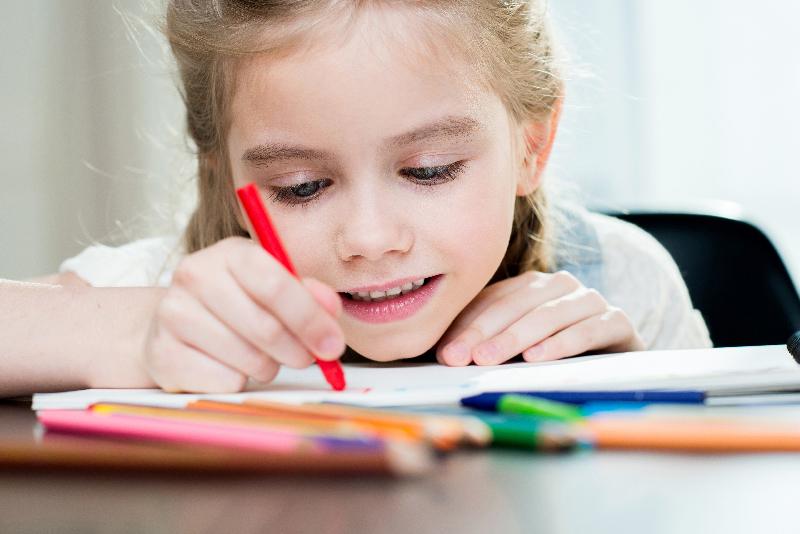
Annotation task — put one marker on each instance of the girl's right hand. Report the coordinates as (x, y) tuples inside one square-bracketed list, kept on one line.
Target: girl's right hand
[(233, 312)]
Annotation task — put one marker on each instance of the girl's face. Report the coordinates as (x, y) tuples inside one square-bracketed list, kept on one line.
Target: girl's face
[(380, 168)]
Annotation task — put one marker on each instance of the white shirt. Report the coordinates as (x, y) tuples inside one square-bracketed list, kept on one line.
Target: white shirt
[(639, 276)]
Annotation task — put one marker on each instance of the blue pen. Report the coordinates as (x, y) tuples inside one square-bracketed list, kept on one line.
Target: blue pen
[(488, 401), (597, 407)]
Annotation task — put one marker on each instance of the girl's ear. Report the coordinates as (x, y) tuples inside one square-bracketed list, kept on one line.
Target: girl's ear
[(538, 138)]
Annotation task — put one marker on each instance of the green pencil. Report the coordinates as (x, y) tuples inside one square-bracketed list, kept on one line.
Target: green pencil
[(533, 432)]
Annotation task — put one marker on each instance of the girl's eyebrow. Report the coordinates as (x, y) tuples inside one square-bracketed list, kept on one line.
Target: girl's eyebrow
[(446, 127), (267, 152)]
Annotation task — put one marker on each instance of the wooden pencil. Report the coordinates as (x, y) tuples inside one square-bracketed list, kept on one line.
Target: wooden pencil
[(701, 435), (445, 432), (66, 452)]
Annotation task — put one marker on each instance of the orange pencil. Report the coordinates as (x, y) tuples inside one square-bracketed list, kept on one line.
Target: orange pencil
[(444, 432), (701, 435)]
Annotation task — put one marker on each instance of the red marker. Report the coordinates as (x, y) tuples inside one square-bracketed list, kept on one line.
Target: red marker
[(259, 219)]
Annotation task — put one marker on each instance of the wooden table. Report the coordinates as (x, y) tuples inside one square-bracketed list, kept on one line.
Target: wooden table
[(504, 491)]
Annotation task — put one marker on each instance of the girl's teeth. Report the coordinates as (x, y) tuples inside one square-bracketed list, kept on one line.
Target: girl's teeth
[(378, 296), (393, 292)]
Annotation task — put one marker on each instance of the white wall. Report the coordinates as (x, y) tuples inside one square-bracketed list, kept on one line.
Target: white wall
[(83, 115), (686, 101)]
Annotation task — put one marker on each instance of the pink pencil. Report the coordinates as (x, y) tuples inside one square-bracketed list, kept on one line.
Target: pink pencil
[(269, 239), (129, 426)]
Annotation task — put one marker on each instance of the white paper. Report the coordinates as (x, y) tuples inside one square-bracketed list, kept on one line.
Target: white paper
[(717, 371)]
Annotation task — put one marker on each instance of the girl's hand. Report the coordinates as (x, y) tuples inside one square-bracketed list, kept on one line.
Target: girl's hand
[(234, 312), (543, 316)]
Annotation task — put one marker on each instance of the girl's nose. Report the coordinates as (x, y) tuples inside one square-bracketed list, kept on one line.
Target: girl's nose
[(374, 228)]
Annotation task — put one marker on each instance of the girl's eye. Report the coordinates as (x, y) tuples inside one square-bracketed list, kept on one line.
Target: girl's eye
[(433, 175), (300, 193)]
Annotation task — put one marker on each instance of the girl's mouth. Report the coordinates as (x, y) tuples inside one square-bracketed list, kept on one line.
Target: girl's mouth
[(393, 304), (379, 296)]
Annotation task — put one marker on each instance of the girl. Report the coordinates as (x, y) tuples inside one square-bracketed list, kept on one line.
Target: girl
[(401, 147)]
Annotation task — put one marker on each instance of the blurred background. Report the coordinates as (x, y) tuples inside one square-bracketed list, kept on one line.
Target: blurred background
[(675, 104)]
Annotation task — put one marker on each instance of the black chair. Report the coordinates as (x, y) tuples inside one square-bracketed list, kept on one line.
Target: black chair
[(734, 274)]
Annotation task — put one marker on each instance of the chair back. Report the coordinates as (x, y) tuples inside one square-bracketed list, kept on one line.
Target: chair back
[(735, 276)]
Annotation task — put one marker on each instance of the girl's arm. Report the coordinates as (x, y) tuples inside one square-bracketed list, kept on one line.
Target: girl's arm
[(61, 279), (224, 319), (58, 337)]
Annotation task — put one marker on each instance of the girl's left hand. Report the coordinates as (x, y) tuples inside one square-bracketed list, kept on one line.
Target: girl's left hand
[(541, 315)]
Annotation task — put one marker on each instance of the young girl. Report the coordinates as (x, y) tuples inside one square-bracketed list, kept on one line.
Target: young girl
[(401, 148)]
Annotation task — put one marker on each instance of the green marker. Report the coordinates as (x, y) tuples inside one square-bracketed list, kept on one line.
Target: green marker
[(527, 405)]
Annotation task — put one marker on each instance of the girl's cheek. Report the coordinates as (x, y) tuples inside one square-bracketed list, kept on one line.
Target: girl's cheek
[(483, 223)]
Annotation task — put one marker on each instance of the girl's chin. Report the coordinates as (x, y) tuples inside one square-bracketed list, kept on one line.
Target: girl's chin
[(391, 350)]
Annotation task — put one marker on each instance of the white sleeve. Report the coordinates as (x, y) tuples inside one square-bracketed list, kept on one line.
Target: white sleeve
[(642, 279), (143, 263)]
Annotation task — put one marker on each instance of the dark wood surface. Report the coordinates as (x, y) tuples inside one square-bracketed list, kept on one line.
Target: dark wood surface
[(504, 491)]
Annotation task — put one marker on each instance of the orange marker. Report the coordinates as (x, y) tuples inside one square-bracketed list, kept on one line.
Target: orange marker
[(268, 238)]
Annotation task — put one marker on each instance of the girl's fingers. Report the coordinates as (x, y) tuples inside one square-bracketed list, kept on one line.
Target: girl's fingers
[(187, 369), (538, 324), (610, 331), (490, 295), (258, 328), (229, 296), (188, 321), (497, 310), (288, 300), (234, 312)]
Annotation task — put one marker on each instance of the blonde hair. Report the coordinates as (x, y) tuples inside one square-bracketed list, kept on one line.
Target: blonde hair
[(509, 43)]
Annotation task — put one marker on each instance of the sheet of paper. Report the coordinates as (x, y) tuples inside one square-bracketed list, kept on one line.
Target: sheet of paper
[(720, 371), (670, 369)]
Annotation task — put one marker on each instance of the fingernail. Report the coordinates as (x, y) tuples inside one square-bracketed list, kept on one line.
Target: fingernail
[(535, 353), (331, 345), (459, 352), (490, 352)]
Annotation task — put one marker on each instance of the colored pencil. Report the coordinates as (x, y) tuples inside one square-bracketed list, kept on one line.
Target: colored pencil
[(444, 432), (230, 414), (285, 418), (248, 437), (699, 435), (69, 452), (268, 238), (527, 405), (238, 419), (488, 401), (531, 432)]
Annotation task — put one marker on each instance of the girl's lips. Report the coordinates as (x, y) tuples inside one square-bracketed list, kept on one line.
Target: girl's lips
[(394, 309)]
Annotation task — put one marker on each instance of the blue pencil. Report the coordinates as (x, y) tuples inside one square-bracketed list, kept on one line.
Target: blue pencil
[(488, 401)]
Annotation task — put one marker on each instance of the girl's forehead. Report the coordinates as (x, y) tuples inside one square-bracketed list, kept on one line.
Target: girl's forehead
[(379, 42), (355, 92)]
